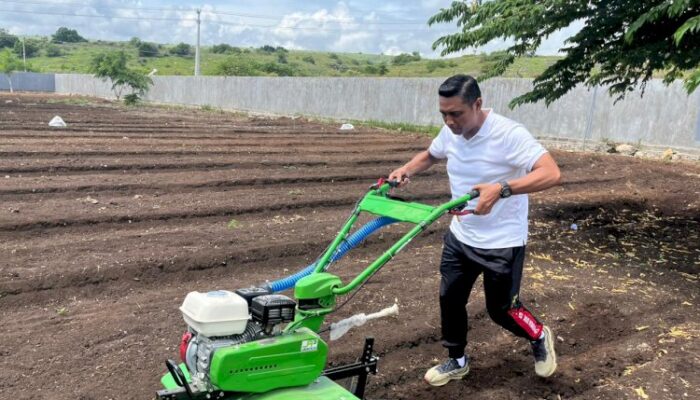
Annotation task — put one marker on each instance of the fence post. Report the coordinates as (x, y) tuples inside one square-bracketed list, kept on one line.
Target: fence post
[(589, 121)]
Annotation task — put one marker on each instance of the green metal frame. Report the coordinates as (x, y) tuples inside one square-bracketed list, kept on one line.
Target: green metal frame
[(325, 287)]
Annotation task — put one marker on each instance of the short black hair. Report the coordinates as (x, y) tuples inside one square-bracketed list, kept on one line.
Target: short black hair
[(461, 85)]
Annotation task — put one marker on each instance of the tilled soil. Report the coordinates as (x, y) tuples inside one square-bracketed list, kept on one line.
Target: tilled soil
[(107, 224)]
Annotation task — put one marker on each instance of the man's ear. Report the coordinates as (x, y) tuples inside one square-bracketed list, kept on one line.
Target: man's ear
[(477, 104)]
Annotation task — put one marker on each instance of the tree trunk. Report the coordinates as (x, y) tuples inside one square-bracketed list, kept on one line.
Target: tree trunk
[(9, 80), (116, 89)]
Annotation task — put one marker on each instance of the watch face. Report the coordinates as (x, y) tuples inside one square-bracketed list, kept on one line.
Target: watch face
[(505, 190)]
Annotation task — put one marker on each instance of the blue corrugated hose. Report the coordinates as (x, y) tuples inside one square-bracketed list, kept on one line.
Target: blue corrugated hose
[(345, 246)]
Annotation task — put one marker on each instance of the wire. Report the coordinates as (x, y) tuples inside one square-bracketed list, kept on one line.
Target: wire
[(97, 16), (328, 328), (317, 29), (230, 13), (68, 3), (354, 293), (406, 22)]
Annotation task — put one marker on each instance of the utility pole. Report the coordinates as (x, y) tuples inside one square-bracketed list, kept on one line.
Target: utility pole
[(24, 55), (196, 51)]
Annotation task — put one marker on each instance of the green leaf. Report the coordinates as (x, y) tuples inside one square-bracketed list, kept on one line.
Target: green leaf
[(692, 25), (692, 81)]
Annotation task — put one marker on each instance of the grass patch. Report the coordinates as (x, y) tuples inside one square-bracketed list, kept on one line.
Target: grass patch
[(211, 109), (429, 130), (78, 101)]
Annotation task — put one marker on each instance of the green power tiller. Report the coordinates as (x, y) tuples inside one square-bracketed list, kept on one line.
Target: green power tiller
[(255, 344)]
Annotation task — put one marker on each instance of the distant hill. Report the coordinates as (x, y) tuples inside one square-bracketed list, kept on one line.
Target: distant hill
[(265, 61)]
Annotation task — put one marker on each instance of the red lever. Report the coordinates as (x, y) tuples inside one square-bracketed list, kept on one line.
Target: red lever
[(461, 212), (184, 342)]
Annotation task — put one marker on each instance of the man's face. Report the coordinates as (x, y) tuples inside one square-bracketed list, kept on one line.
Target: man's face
[(460, 117)]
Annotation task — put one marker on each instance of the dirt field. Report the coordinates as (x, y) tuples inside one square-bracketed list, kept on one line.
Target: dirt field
[(107, 224)]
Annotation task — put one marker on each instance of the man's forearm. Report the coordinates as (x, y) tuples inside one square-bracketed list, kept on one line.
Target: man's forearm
[(544, 175), (420, 163)]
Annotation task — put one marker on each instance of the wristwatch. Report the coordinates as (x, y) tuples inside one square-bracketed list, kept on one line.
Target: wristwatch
[(506, 191)]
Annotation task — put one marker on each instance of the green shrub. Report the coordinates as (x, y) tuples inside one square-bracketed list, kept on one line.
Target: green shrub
[(235, 66), (53, 51), (147, 49), (405, 58), (181, 49)]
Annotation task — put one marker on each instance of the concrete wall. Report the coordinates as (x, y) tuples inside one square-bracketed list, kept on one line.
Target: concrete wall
[(665, 116), (29, 82)]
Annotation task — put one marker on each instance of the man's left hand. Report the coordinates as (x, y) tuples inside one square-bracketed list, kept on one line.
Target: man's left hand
[(489, 193)]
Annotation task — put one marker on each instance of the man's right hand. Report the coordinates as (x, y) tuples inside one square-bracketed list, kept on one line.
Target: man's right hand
[(419, 163), (400, 175)]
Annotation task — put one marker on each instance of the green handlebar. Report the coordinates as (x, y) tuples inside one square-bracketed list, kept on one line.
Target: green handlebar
[(322, 288), (390, 209), (398, 246)]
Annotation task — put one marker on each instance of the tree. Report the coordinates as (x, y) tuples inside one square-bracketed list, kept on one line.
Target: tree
[(224, 48), (9, 63), (147, 49), (220, 48), (31, 47), (65, 35), (7, 39), (113, 66), (267, 49), (622, 43), (181, 49)]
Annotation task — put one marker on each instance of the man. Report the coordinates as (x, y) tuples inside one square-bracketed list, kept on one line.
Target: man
[(499, 158)]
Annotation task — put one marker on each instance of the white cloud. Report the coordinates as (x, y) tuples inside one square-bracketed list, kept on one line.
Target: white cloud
[(348, 26), (392, 50), (354, 42), (320, 22)]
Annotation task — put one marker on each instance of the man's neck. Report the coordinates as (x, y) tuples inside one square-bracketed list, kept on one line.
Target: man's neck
[(472, 132)]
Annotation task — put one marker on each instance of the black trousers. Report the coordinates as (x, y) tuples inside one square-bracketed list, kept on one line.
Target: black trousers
[(502, 268)]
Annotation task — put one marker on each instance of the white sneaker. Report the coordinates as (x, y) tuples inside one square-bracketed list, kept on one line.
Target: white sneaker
[(545, 356), (441, 374)]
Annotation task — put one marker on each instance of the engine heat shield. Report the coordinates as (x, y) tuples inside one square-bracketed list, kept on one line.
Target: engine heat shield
[(287, 360)]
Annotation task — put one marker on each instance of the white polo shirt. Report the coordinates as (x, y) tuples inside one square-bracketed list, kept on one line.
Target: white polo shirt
[(501, 150)]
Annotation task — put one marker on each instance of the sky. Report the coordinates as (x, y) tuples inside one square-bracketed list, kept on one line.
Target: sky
[(369, 26)]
